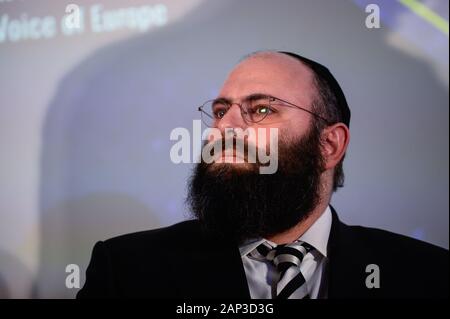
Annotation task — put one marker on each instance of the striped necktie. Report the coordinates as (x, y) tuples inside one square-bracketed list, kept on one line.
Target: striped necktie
[(287, 260)]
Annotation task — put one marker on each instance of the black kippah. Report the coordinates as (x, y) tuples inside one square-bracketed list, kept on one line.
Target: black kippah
[(324, 74)]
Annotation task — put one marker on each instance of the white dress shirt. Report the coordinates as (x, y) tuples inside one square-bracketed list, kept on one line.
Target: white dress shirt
[(261, 274)]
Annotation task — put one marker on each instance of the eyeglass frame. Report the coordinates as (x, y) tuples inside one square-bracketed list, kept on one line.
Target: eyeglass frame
[(256, 96)]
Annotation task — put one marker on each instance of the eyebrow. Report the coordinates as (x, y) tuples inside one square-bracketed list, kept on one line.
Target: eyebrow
[(251, 97)]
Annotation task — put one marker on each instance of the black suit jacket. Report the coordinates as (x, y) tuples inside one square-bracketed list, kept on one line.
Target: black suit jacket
[(181, 261)]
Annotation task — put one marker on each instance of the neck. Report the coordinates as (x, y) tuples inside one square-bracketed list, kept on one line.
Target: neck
[(292, 234)]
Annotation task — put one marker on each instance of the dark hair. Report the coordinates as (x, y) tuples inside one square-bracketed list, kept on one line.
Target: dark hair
[(329, 103), (324, 105)]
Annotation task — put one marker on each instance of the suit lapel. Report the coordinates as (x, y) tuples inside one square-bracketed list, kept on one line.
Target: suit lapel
[(348, 261), (214, 270), (227, 275)]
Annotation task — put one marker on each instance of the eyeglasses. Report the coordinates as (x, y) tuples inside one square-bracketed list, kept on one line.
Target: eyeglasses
[(255, 108)]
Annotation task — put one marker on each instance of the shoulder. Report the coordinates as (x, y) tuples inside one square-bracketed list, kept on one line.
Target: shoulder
[(183, 233), (406, 267), (386, 242), (124, 265)]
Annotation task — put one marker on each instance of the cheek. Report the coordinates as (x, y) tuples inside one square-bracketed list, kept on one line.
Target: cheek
[(295, 129), (212, 135), (265, 136), (212, 139)]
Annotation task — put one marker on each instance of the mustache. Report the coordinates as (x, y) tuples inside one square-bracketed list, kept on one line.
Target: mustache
[(234, 146)]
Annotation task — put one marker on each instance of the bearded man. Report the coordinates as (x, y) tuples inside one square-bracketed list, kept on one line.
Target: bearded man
[(274, 235)]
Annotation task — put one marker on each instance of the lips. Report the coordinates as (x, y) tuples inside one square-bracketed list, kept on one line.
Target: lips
[(225, 157), (236, 152)]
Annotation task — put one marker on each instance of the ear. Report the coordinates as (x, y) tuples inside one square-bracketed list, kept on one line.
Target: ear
[(335, 139)]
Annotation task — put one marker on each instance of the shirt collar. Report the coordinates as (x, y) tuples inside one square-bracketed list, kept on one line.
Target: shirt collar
[(250, 245), (316, 235)]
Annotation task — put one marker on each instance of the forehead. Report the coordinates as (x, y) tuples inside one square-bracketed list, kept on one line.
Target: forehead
[(270, 73)]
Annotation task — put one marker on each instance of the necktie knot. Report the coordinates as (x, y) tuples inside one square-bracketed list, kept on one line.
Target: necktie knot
[(294, 252), (284, 257)]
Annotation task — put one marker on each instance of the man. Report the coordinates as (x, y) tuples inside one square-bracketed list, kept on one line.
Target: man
[(270, 235)]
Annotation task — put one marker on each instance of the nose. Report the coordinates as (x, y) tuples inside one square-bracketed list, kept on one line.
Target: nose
[(232, 119)]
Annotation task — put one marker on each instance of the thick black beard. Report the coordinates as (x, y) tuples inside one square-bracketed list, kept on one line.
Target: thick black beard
[(239, 204)]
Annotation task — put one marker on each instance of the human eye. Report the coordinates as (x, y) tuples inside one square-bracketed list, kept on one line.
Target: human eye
[(219, 109), (264, 109), (261, 108)]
